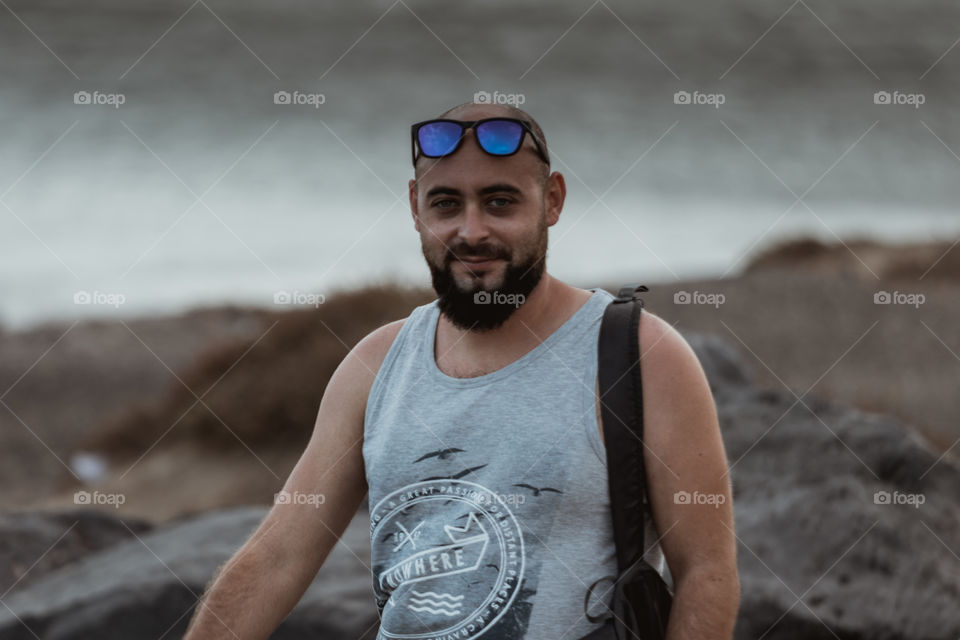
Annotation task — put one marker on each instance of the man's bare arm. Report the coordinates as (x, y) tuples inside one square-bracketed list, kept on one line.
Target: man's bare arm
[(256, 589), (689, 486)]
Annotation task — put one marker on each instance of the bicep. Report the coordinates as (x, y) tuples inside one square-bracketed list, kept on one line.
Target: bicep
[(685, 459)]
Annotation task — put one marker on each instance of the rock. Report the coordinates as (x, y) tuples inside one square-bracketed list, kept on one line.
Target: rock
[(34, 544), (722, 363), (843, 510), (128, 593)]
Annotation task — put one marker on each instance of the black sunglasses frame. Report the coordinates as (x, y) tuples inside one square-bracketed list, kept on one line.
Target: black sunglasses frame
[(467, 124)]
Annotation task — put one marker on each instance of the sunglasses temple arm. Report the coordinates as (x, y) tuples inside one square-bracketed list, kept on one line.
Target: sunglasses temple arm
[(413, 147)]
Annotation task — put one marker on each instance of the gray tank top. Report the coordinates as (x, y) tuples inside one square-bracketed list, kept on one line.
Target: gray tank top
[(489, 504)]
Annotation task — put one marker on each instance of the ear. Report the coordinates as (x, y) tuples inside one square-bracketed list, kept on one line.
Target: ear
[(412, 188), (555, 193)]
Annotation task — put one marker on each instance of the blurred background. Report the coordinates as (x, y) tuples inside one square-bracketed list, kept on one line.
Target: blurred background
[(203, 206)]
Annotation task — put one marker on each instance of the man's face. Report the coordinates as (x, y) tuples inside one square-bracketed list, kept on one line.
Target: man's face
[(483, 228)]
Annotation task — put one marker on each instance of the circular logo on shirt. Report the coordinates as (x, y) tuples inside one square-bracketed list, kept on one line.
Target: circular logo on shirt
[(447, 559)]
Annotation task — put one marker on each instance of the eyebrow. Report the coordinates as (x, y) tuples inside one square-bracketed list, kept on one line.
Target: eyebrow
[(493, 188)]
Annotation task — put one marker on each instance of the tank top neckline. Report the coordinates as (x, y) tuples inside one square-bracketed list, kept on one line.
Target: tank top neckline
[(427, 349)]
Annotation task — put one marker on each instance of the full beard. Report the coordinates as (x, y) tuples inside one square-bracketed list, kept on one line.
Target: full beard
[(465, 309)]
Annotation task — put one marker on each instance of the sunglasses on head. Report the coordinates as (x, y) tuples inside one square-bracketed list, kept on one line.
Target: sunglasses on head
[(497, 136)]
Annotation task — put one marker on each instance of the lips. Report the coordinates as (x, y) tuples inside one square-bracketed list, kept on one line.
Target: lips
[(475, 263)]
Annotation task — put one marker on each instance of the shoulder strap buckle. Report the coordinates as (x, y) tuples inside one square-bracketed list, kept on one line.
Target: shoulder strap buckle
[(630, 292)]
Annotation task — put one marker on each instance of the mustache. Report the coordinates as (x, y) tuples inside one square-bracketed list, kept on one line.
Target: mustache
[(483, 252)]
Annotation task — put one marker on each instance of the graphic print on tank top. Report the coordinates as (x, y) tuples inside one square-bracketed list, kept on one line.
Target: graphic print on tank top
[(453, 560)]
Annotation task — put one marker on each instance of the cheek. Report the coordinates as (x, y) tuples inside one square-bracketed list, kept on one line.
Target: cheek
[(431, 232), (433, 243), (435, 231)]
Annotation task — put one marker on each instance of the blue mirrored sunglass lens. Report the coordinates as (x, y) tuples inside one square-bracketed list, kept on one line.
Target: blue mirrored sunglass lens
[(499, 137), (438, 138)]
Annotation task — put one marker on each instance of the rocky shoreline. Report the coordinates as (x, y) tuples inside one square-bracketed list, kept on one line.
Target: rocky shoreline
[(821, 555)]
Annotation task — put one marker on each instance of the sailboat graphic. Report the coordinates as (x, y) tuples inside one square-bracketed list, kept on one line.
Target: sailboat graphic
[(463, 553)]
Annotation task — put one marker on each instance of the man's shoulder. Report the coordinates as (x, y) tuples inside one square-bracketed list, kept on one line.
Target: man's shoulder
[(666, 356), (654, 329), (373, 348), (354, 376)]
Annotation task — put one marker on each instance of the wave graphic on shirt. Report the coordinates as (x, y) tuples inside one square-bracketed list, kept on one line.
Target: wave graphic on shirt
[(437, 603)]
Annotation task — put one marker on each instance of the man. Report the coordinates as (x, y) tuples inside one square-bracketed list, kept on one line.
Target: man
[(475, 425)]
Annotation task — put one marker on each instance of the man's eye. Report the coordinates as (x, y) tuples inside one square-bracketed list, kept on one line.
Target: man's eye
[(446, 203), (499, 203)]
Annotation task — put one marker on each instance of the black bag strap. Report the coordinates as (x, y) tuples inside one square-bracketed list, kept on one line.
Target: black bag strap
[(621, 408), (641, 600)]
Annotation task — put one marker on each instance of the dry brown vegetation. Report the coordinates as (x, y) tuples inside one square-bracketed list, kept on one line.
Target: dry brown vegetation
[(261, 391)]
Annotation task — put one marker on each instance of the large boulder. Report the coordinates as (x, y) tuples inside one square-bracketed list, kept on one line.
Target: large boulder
[(848, 527), (34, 544), (146, 588)]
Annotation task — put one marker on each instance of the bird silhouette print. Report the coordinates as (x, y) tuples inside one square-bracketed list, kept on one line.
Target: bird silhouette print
[(441, 454), (536, 490)]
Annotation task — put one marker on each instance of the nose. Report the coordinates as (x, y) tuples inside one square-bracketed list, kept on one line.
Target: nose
[(473, 227)]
